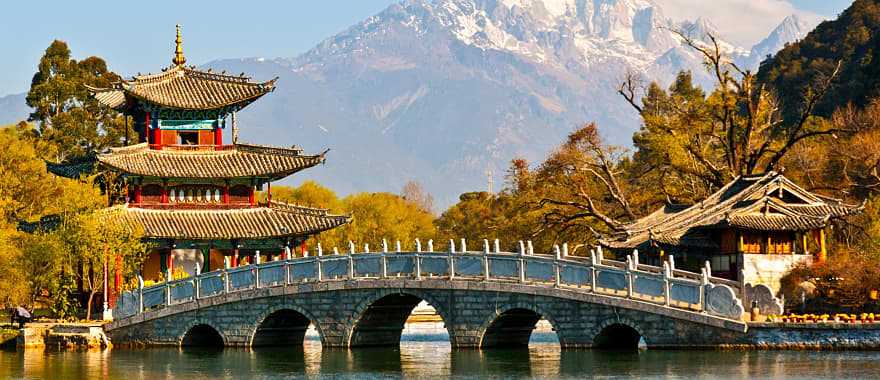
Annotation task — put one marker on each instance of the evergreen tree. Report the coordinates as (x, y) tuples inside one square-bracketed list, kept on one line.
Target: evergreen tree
[(65, 112)]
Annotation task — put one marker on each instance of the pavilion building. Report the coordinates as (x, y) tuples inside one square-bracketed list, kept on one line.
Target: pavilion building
[(754, 229), (194, 196)]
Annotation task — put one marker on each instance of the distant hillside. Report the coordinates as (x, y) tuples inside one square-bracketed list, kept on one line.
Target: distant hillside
[(853, 38), (13, 109)]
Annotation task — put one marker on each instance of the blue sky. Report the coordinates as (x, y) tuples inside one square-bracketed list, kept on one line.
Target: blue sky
[(136, 36)]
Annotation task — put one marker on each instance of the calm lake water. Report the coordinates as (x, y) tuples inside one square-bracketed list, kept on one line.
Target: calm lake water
[(425, 353)]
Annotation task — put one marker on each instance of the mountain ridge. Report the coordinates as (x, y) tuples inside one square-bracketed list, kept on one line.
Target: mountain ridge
[(444, 91)]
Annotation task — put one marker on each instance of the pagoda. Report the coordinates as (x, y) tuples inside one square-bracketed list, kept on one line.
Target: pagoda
[(195, 196)]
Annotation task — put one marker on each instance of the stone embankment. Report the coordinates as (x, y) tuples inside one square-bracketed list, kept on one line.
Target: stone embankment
[(63, 336), (808, 336)]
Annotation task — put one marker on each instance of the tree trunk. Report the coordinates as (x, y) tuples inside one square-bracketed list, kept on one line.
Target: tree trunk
[(89, 305)]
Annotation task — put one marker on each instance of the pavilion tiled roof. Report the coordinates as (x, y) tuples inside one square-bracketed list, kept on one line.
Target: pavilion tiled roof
[(186, 88), (272, 220), (768, 202), (236, 161)]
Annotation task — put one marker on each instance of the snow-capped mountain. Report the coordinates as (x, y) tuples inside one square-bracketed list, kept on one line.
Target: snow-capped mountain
[(791, 29), (442, 91)]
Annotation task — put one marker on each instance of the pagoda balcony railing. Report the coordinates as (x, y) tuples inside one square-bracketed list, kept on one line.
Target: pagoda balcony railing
[(192, 148), (664, 285), (194, 206)]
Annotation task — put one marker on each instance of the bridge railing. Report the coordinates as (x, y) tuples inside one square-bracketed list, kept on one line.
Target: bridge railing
[(664, 285)]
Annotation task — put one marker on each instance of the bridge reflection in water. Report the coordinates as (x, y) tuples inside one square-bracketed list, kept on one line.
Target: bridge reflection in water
[(484, 298)]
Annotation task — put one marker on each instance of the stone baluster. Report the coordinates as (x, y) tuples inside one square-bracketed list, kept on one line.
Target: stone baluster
[(497, 246), (226, 279), (382, 259), (351, 267), (319, 266), (704, 283), (629, 276), (286, 267), (485, 245), (140, 294), (564, 249), (256, 271), (384, 262), (168, 286), (463, 245), (531, 248), (350, 247), (667, 274), (451, 246), (335, 251), (451, 265), (418, 245), (196, 281), (522, 262), (671, 261), (430, 245), (397, 246), (486, 275), (556, 269), (417, 261), (594, 264), (320, 250), (635, 256)]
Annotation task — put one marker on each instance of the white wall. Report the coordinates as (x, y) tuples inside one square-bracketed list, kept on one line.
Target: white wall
[(769, 269)]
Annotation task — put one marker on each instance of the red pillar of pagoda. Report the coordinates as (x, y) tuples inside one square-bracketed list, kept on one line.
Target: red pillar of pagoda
[(137, 194), (218, 136)]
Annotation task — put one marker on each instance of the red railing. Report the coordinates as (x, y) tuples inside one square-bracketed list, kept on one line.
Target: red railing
[(193, 206), (192, 148)]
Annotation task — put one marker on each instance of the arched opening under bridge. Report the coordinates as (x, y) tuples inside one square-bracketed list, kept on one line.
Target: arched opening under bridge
[(618, 336), (382, 323), (202, 335), (515, 328), (283, 327)]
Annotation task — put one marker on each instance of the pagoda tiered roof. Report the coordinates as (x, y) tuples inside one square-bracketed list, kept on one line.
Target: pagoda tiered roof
[(768, 202), (228, 161), (185, 88), (268, 221)]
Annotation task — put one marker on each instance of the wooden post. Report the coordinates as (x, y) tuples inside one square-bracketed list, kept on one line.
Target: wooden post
[(823, 253)]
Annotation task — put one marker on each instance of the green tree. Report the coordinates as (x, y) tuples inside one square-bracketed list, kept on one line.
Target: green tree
[(66, 114)]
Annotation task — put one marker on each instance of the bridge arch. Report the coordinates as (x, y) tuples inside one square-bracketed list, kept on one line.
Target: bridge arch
[(512, 325), (200, 333), (618, 334), (283, 325), (379, 320)]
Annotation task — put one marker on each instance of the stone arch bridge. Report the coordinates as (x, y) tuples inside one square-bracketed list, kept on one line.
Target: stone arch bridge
[(485, 298)]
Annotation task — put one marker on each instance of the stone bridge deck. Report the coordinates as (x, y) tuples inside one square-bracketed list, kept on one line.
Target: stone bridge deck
[(484, 298)]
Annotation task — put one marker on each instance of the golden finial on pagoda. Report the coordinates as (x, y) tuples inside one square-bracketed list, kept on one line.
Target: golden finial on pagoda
[(179, 59)]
